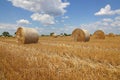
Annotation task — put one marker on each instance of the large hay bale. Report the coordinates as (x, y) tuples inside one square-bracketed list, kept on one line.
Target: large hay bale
[(81, 35), (27, 35), (99, 34), (111, 35)]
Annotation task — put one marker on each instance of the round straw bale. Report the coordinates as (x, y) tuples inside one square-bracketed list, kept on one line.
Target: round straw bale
[(99, 34), (80, 35), (111, 35), (27, 35), (54, 35)]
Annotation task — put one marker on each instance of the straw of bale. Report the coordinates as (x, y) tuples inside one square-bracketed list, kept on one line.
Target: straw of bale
[(54, 35), (99, 34), (80, 35), (111, 35), (27, 35)]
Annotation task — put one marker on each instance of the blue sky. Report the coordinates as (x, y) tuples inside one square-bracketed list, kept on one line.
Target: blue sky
[(60, 16)]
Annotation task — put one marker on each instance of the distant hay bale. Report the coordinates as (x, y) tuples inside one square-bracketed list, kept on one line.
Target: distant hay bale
[(54, 35), (99, 34), (111, 35), (80, 35), (27, 35)]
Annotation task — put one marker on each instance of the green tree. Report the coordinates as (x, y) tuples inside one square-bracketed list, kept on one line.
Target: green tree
[(15, 33), (6, 34), (51, 34), (65, 34), (61, 34)]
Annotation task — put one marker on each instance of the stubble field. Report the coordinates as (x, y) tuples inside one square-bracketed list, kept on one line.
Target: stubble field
[(60, 59)]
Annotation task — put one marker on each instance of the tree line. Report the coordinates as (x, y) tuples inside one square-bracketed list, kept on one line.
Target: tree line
[(7, 34), (61, 34)]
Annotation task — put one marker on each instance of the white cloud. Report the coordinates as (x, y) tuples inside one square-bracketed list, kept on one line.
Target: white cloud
[(65, 17), (45, 11), (11, 28), (107, 11), (51, 7), (117, 18), (45, 19), (115, 24), (107, 20), (7, 26), (107, 24), (22, 22)]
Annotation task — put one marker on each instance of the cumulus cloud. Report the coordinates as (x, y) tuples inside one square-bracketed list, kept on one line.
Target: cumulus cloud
[(51, 7), (107, 11), (106, 24), (45, 11), (43, 18), (22, 22)]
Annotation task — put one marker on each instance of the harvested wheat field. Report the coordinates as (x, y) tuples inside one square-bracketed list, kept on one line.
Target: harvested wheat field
[(60, 59)]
